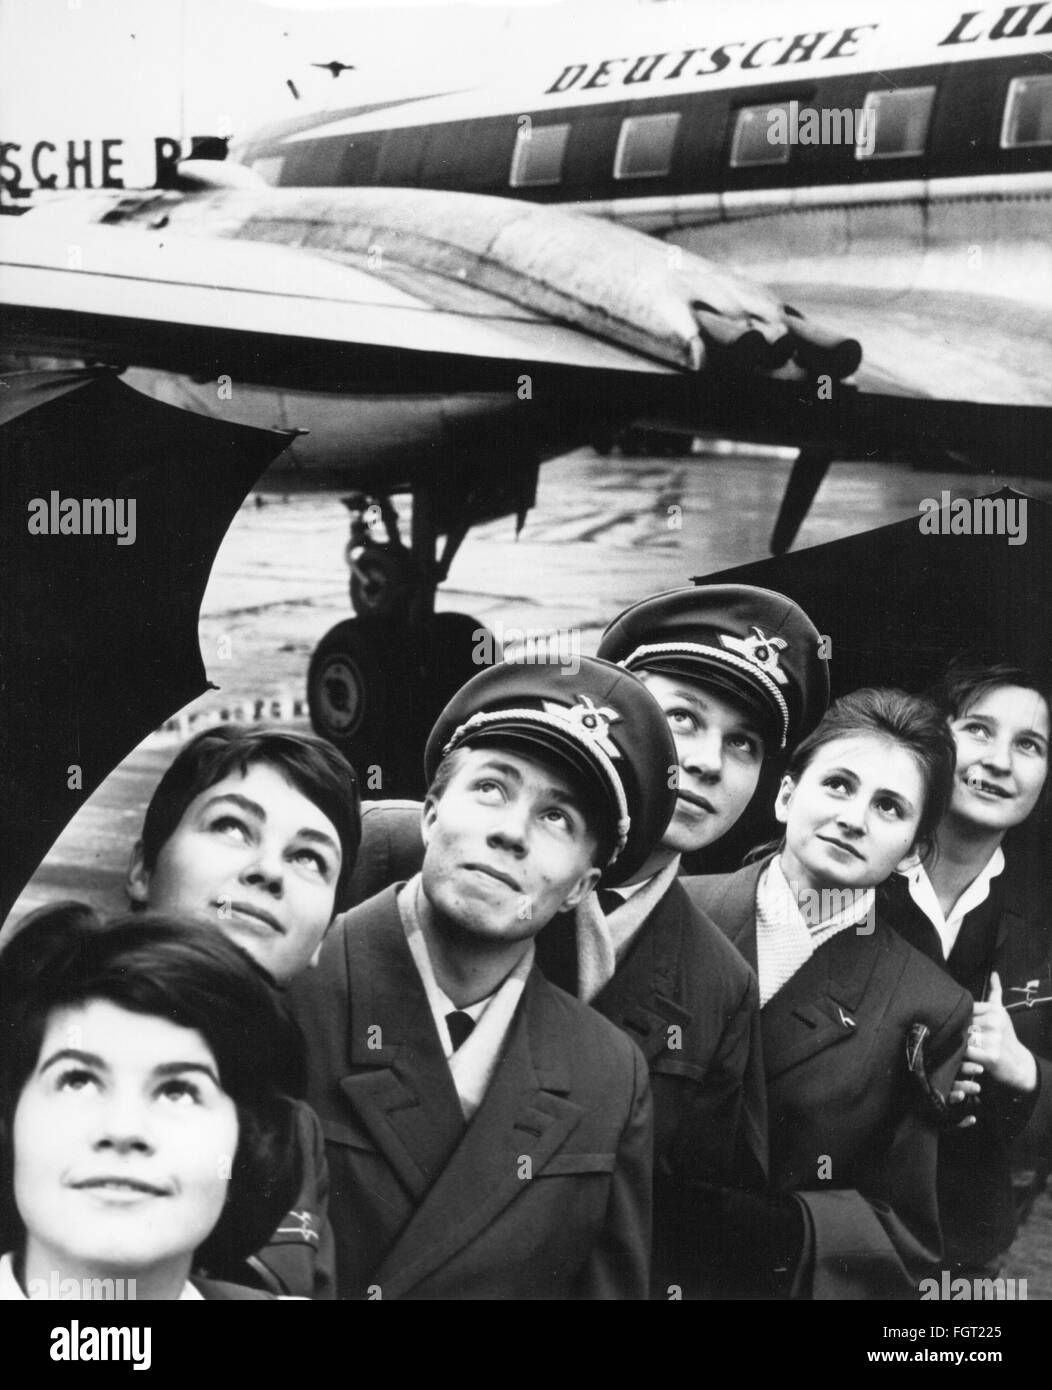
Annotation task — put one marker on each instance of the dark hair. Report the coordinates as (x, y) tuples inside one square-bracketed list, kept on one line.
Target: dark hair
[(314, 767), (445, 772), (164, 966), (597, 816), (966, 681), (911, 721)]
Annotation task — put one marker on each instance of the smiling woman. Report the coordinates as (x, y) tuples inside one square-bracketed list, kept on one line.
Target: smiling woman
[(852, 1208), (143, 1125), (254, 830), (977, 907)]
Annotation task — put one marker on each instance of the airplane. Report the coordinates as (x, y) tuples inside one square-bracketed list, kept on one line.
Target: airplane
[(832, 238), (335, 68)]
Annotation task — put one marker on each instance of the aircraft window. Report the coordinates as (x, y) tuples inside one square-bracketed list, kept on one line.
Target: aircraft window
[(269, 168), (538, 156), (644, 146), (1028, 112), (894, 124), (754, 129)]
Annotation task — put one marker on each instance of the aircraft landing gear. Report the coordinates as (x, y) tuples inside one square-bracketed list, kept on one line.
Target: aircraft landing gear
[(377, 681)]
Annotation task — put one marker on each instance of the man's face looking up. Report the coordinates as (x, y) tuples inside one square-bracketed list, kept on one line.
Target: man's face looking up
[(509, 843)]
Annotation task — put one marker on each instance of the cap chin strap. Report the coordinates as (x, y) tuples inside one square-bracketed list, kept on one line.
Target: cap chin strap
[(717, 654), (488, 718)]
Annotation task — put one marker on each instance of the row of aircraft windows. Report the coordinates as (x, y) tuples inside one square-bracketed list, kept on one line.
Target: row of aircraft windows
[(892, 125)]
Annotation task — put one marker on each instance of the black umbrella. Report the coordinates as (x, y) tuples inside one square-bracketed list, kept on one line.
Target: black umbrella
[(898, 603), (98, 632)]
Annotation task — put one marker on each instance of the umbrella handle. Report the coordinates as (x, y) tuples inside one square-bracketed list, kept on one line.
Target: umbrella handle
[(946, 1116)]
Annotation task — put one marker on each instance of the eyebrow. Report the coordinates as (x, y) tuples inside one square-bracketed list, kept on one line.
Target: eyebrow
[(505, 769), (562, 795), (318, 837), (92, 1059), (694, 697), (253, 808), (851, 776), (72, 1054), (989, 719), (177, 1068), (246, 803)]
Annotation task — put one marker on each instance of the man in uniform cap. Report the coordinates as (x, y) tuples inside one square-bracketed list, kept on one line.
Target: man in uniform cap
[(489, 1136), (739, 674)]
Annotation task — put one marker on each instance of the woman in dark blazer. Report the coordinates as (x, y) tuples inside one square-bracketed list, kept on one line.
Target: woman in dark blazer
[(978, 907), (143, 1126), (851, 1206)]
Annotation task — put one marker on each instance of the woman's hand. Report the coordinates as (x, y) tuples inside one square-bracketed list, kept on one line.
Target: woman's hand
[(994, 1048)]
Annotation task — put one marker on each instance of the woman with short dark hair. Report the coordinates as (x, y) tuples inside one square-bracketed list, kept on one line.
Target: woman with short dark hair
[(979, 909), (145, 1128)]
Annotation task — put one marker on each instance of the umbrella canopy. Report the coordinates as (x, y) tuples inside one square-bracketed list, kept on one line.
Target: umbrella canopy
[(112, 507), (899, 602)]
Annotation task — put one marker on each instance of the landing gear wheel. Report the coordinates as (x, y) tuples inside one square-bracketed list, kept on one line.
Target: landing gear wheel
[(357, 693)]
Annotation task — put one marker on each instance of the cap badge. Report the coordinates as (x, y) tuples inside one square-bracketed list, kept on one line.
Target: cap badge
[(762, 651), (587, 719)]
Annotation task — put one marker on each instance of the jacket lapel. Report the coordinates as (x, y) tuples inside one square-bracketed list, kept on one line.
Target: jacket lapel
[(819, 1007), (523, 1120), (399, 1084), (640, 998), (736, 910)]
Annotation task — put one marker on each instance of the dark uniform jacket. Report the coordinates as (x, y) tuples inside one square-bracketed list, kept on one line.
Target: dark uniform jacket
[(1009, 933), (544, 1194), (690, 1002), (850, 1133)]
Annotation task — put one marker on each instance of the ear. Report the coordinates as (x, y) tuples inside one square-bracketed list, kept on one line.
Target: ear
[(909, 861), (427, 819), (137, 882), (581, 889), (782, 800)]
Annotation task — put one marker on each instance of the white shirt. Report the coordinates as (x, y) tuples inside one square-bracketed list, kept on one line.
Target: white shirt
[(473, 1063), (11, 1290), (949, 928)]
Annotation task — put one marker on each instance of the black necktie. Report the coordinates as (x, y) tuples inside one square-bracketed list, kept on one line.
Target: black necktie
[(461, 1026)]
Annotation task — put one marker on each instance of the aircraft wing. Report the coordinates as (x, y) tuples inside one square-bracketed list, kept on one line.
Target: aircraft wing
[(355, 290), (285, 286)]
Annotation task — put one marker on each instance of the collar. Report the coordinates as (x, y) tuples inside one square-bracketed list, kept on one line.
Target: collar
[(785, 940), (827, 911), (922, 891), (473, 1063), (603, 941)]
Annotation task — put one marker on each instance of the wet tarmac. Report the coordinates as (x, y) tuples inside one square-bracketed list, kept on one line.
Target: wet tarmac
[(605, 531)]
